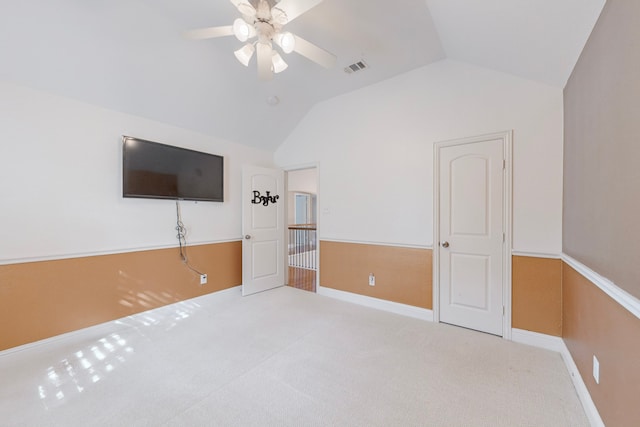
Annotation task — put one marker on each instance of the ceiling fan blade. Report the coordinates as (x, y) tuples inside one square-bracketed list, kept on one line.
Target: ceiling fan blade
[(279, 16), (209, 33), (295, 8), (314, 53), (265, 69), (244, 7)]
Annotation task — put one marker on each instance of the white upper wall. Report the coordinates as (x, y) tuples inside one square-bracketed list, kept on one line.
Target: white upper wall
[(61, 181), (60, 165), (303, 180), (374, 147)]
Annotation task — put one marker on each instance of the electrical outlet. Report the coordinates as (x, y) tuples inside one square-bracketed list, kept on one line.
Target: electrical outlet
[(372, 279), (596, 369), (203, 279)]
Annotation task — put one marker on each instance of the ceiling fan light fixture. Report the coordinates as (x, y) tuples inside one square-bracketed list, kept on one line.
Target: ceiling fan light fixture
[(245, 53), (259, 27), (278, 63), (242, 30), (286, 41)]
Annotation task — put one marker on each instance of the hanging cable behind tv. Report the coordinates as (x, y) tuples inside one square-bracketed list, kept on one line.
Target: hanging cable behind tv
[(182, 241)]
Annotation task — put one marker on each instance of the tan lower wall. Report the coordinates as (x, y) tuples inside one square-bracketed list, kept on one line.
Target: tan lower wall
[(537, 295), (43, 299), (403, 275), (595, 324)]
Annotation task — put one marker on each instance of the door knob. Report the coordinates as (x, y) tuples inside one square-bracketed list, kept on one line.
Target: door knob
[(247, 236), (445, 244)]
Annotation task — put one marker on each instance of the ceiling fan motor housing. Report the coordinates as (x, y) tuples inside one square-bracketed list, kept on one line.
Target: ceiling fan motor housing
[(265, 31)]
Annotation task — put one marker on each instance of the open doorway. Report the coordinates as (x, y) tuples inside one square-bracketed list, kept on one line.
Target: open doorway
[(302, 214)]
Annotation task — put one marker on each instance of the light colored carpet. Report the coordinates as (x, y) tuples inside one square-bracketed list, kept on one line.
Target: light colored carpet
[(283, 358)]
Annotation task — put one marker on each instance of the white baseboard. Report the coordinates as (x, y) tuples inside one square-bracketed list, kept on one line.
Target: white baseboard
[(548, 342), (393, 307), (583, 393), (557, 344), (108, 327)]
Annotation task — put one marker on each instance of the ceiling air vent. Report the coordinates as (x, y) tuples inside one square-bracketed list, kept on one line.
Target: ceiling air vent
[(355, 67)]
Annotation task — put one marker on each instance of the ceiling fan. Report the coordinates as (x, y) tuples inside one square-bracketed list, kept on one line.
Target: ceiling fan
[(264, 20)]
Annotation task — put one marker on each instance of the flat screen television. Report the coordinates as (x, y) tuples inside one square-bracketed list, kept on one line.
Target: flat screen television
[(158, 171)]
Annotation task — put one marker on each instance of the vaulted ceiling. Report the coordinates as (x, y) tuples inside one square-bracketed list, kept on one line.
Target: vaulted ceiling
[(131, 56)]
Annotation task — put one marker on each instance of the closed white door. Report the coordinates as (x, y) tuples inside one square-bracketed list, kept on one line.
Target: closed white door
[(471, 234), (263, 229)]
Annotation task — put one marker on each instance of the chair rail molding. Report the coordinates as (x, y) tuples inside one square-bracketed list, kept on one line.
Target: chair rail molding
[(618, 294)]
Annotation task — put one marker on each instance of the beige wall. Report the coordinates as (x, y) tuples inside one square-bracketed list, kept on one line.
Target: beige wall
[(41, 299), (601, 210), (594, 324), (47, 298), (65, 201), (537, 295), (601, 226), (402, 274)]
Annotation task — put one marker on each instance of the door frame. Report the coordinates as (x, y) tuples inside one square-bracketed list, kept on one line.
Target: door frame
[(291, 168), (507, 143)]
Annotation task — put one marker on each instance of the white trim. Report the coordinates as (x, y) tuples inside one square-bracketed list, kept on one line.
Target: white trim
[(301, 166), (109, 326), (535, 254), (619, 295), (363, 242), (508, 232), (95, 329), (380, 304), (590, 409), (109, 252), (558, 345), (507, 138), (537, 339), (285, 219), (583, 393)]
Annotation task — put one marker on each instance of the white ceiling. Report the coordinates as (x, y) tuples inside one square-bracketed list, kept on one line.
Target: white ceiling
[(536, 39), (130, 56)]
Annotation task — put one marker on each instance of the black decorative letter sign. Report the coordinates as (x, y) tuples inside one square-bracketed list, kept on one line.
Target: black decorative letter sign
[(264, 200)]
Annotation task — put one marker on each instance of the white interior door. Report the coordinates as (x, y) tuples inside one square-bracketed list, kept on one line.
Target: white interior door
[(471, 232), (263, 229)]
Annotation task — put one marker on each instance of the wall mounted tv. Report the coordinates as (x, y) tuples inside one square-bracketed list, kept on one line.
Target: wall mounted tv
[(158, 171)]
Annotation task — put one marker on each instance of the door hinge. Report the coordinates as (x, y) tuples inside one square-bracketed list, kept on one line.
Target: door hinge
[(504, 164), (504, 238), (504, 312)]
